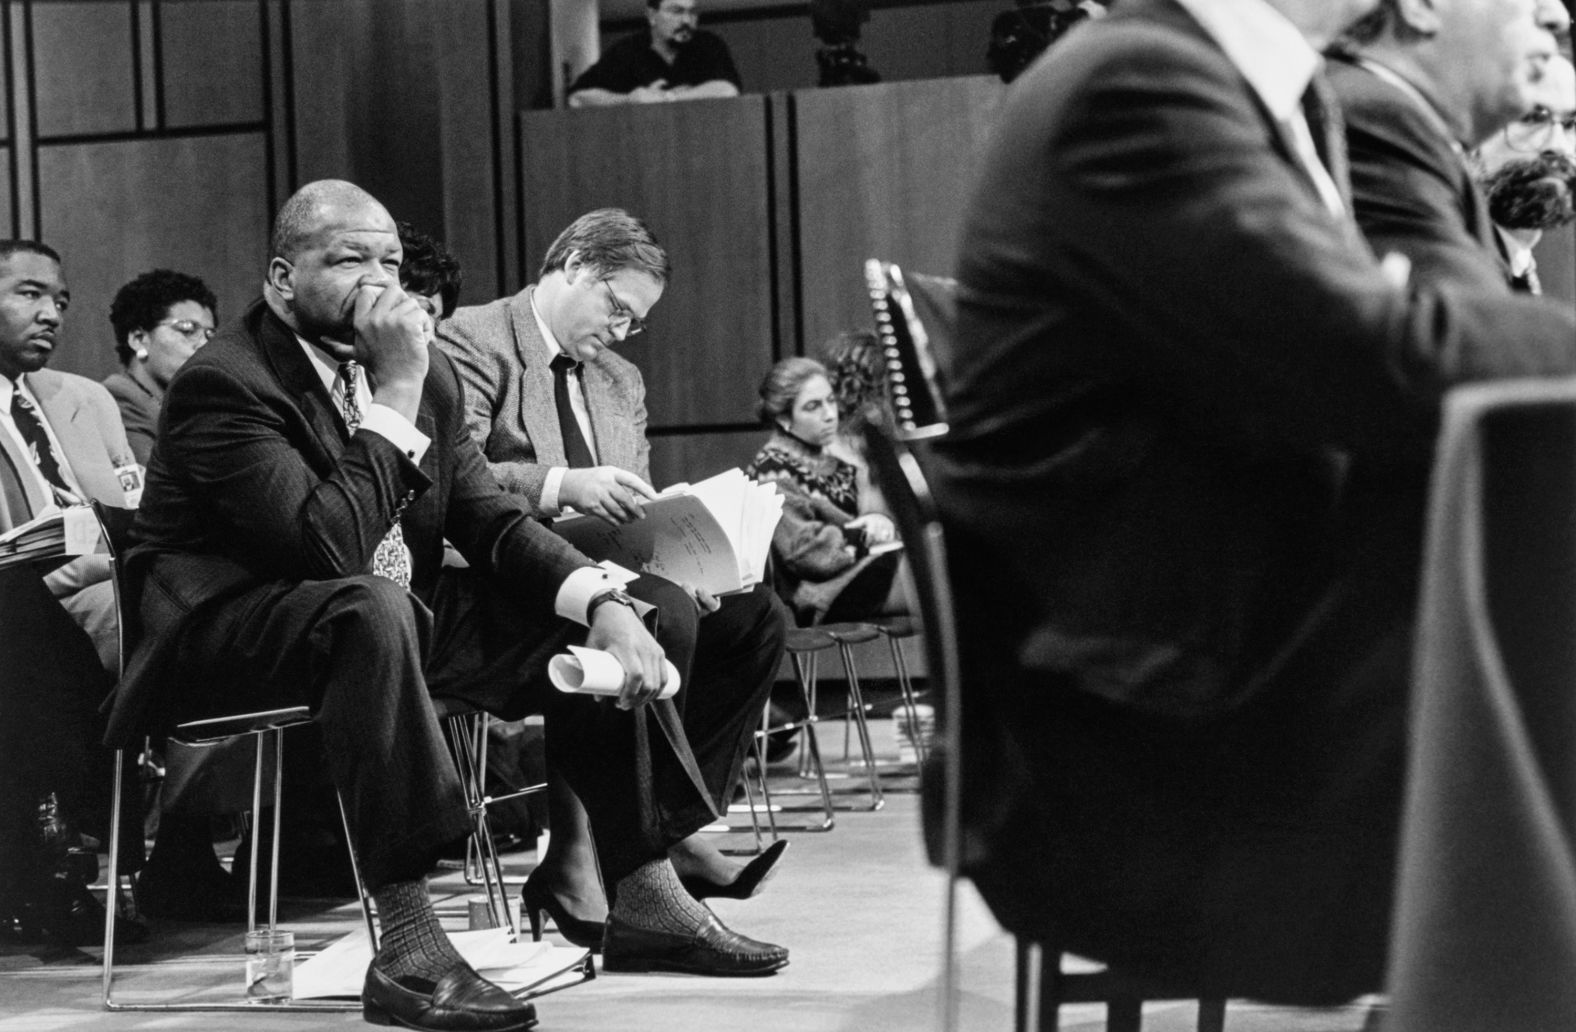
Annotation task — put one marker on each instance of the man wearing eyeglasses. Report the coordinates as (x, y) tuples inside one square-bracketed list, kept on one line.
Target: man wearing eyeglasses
[(671, 60), (161, 318), (1421, 87), (561, 420), (1528, 172)]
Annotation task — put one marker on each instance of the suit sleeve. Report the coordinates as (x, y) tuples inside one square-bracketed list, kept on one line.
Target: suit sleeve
[(1407, 189), (1260, 305), (485, 373), (226, 430)]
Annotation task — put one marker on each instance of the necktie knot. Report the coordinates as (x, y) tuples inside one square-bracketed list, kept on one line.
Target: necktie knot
[(563, 364), (350, 405)]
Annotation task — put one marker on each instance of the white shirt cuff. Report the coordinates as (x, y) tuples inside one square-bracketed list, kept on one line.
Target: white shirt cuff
[(397, 430), (580, 587), (549, 500)]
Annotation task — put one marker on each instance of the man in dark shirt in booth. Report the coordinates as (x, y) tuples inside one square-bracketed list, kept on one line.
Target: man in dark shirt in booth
[(671, 60)]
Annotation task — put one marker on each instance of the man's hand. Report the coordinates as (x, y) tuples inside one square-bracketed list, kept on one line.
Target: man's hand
[(652, 93), (705, 601), (606, 491), (616, 629), (878, 530), (392, 334)]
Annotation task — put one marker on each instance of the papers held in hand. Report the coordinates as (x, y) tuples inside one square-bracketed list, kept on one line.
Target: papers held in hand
[(57, 532), (714, 535), (595, 672)]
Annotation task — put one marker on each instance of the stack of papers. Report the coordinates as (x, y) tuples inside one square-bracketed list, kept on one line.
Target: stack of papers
[(57, 532), (715, 535)]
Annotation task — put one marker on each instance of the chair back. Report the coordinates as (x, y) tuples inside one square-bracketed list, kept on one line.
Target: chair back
[(913, 397)]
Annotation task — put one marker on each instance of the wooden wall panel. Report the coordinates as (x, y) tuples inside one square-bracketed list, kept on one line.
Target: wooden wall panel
[(83, 67), (697, 173), (212, 62), (930, 41), (114, 210), (8, 225), (884, 172), (690, 457), (464, 125)]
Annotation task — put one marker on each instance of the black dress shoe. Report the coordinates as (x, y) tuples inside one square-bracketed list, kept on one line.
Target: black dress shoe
[(711, 949), (460, 1001), (67, 914), (536, 898), (751, 878)]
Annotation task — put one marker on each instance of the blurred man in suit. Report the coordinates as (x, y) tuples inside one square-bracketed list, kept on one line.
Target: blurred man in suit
[(312, 462), (562, 421), (61, 443), (1192, 420), (1420, 87)]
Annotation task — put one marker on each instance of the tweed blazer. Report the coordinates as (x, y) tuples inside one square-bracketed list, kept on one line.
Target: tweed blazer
[(509, 407)]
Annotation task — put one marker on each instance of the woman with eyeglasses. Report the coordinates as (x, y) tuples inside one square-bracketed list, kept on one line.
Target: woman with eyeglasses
[(161, 318)]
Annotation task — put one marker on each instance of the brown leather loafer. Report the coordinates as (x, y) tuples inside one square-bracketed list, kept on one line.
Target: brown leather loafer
[(460, 1001), (712, 949)]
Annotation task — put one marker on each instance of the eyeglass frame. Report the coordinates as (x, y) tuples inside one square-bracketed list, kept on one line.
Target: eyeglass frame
[(1540, 123), (191, 331), (634, 325)]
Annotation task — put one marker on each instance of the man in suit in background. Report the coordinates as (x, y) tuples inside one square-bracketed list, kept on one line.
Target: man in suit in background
[(61, 443), (1528, 171), (1192, 421), (561, 419), (1420, 90), (312, 462)]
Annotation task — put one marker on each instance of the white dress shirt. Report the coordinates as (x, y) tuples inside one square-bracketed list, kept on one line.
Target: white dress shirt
[(577, 402), (1279, 64)]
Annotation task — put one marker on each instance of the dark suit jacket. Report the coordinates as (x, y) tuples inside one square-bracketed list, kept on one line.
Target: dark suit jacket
[(255, 480), (1412, 192), (503, 362), (1180, 377)]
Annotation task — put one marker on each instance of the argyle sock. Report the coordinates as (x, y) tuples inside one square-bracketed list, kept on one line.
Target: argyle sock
[(651, 898), (413, 941)]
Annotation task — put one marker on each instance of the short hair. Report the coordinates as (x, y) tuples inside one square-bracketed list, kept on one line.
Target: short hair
[(609, 239), (782, 385), (10, 247), (428, 268), (1383, 19), (300, 217), (858, 374), (146, 300)]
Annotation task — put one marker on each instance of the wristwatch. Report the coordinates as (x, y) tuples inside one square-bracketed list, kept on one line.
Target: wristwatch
[(618, 595)]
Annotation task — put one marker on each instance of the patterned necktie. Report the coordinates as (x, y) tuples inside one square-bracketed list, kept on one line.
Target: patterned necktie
[(1530, 278), (37, 438), (392, 559), (577, 453)]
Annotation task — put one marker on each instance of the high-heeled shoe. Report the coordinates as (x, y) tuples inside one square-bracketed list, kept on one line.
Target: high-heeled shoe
[(535, 898), (751, 878)]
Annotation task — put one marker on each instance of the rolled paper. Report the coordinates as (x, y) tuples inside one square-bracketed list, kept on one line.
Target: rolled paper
[(595, 672)]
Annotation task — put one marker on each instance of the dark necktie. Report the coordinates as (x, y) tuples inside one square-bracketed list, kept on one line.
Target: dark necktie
[(392, 558), (1323, 114), (577, 454), (37, 438)]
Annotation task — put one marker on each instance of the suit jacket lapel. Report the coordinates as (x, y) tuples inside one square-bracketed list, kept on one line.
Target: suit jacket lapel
[(538, 409), (610, 437), (82, 441), (294, 370)]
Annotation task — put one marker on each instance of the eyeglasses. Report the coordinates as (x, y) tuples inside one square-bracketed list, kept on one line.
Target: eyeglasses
[(1532, 131), (633, 324), (188, 329)]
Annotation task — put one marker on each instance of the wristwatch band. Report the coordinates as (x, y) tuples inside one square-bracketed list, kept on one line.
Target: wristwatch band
[(618, 595)]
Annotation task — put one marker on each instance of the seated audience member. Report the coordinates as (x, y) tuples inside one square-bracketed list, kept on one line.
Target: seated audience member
[(1528, 171), (313, 459), (61, 443), (821, 548), (670, 60), (161, 318), (1192, 420), (561, 420), (1416, 91)]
